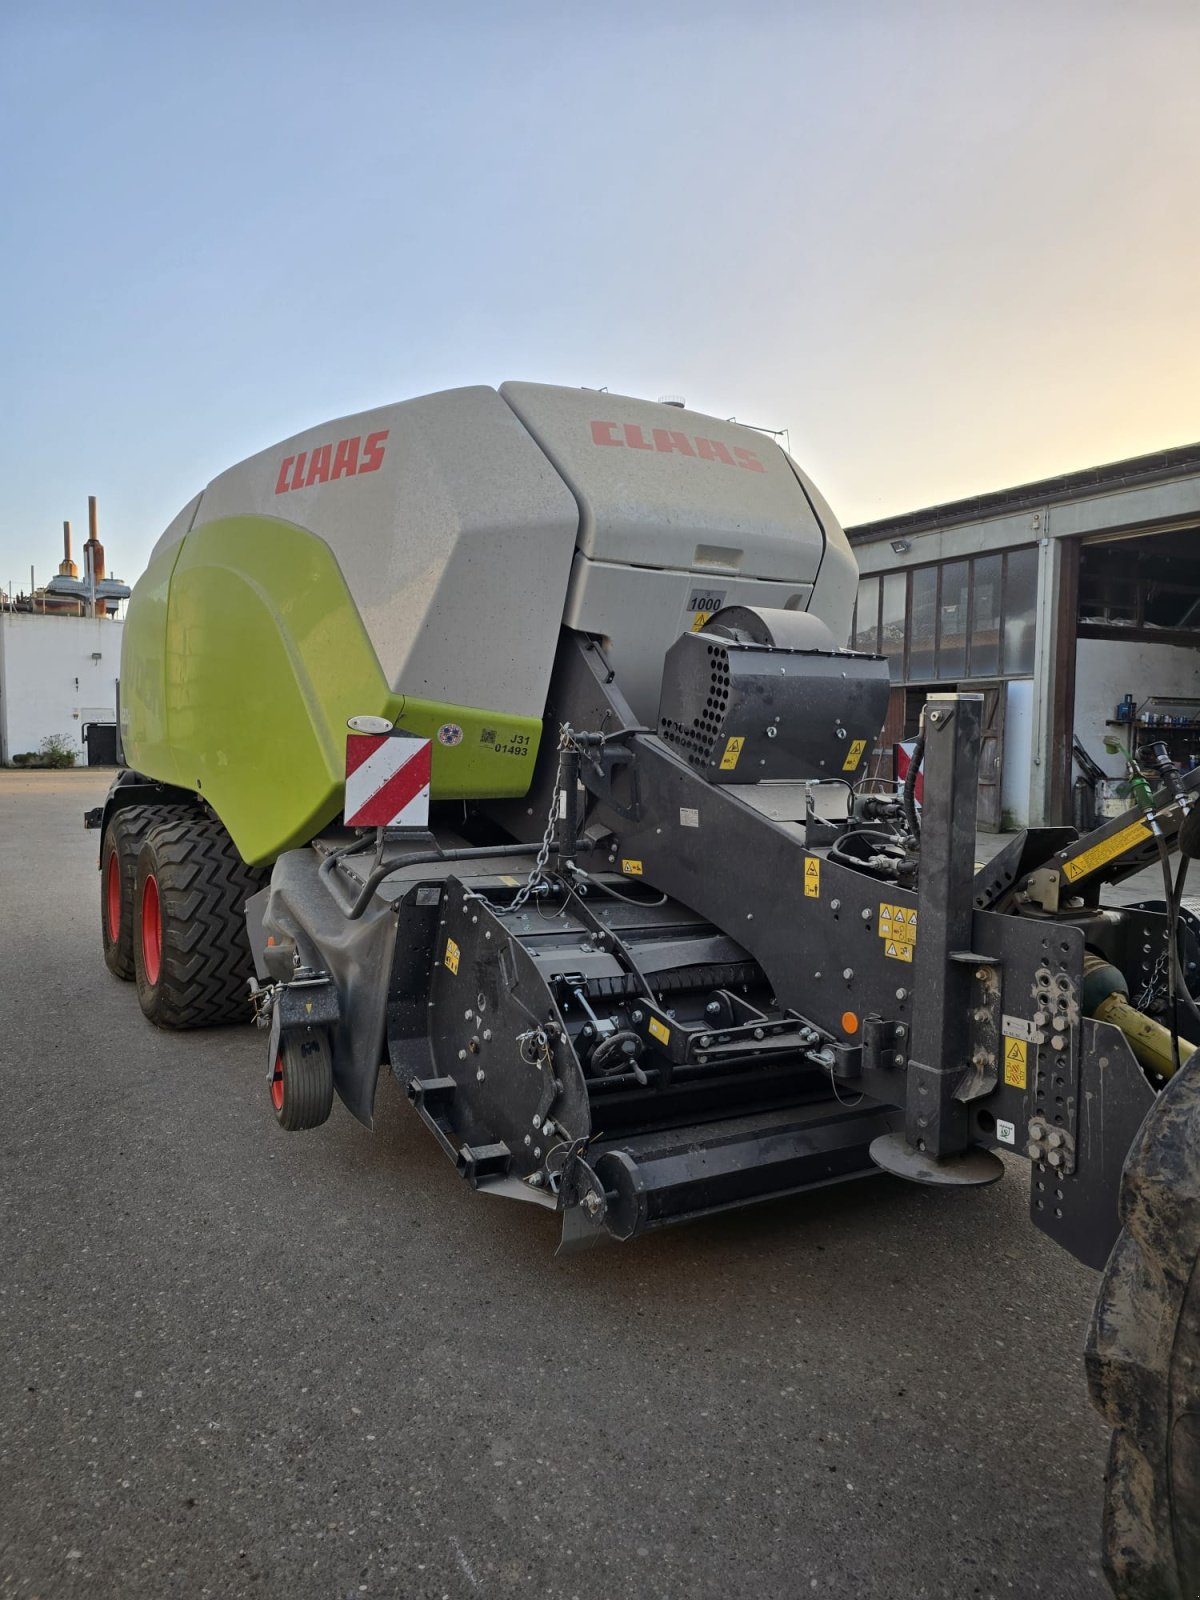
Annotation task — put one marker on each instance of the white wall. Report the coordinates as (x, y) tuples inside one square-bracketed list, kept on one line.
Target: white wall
[(1106, 668), (1017, 768), (50, 681)]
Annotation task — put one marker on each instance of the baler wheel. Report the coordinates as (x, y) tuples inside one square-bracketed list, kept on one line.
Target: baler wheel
[(118, 864), (302, 1081), (190, 947), (1143, 1356)]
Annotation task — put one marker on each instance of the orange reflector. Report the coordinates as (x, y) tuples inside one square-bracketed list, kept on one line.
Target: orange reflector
[(849, 1022)]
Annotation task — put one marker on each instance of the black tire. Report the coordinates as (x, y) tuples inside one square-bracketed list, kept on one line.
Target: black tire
[(1143, 1356), (302, 1080), (118, 865), (191, 952)]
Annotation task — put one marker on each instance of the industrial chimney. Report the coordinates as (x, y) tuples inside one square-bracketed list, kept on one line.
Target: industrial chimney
[(93, 558), (67, 567)]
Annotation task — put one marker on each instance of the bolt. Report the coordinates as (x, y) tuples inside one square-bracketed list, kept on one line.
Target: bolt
[(1056, 1158), (899, 1060), (1055, 1138), (749, 916), (488, 934), (487, 1034), (759, 1034), (713, 1008), (591, 1203), (705, 1041), (901, 1031), (835, 905), (537, 1150), (480, 1075), (847, 973), (1033, 1150), (901, 994), (537, 1122), (548, 1128), (636, 1016), (866, 915), (535, 1180), (772, 733), (981, 973), (528, 1139), (462, 1055)]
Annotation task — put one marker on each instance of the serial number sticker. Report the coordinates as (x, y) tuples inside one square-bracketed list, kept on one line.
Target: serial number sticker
[(659, 1031), (854, 755), (631, 869), (1016, 1057), (732, 751), (812, 877), (1100, 854), (1016, 1027), (897, 924), (898, 952), (689, 817), (452, 954), (1006, 1132)]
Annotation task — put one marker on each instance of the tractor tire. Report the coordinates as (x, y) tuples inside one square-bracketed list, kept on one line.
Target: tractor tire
[(191, 952), (118, 864), (302, 1080), (1143, 1356)]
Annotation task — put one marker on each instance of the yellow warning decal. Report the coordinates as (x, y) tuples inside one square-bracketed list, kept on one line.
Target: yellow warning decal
[(659, 1031), (631, 869), (898, 952), (732, 751), (452, 956), (701, 618), (512, 883), (1100, 854), (897, 924), (854, 755), (812, 877), (1016, 1055)]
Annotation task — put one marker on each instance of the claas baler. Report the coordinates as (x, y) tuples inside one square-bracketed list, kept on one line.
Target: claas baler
[(506, 742)]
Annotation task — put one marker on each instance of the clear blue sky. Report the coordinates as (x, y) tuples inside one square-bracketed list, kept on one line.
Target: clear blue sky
[(949, 246)]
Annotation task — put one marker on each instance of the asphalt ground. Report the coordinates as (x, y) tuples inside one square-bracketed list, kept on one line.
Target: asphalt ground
[(238, 1362)]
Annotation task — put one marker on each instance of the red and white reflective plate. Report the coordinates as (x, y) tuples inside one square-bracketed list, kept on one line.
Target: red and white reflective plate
[(387, 780)]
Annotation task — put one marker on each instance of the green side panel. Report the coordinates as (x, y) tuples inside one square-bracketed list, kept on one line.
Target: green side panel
[(144, 732), (264, 658)]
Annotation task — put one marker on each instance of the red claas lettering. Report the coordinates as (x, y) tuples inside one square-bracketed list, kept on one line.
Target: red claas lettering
[(326, 463), (670, 441)]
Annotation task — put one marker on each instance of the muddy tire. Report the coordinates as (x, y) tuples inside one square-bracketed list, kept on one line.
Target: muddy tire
[(302, 1080), (1143, 1357), (190, 948), (118, 864)]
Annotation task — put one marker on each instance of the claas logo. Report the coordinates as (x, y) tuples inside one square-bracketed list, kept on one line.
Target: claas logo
[(347, 458), (670, 441)]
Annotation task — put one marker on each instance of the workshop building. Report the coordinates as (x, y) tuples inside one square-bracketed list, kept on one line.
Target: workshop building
[(1072, 605)]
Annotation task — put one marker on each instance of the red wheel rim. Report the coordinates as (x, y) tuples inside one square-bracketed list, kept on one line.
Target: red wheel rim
[(112, 898), (277, 1082), (151, 931)]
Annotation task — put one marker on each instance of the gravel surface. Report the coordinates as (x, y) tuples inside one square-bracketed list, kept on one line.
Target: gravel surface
[(238, 1362)]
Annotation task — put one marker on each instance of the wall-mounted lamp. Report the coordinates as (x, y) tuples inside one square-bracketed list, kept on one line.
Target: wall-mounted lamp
[(901, 546), (97, 655)]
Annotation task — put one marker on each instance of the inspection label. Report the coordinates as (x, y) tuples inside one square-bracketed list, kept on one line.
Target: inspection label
[(1016, 1053), (812, 877)]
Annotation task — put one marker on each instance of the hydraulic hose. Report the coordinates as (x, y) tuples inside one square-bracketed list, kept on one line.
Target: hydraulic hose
[(354, 909)]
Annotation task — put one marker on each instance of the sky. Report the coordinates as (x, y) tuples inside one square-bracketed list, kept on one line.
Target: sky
[(948, 247)]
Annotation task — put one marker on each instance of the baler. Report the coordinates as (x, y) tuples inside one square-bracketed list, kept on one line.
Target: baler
[(507, 742)]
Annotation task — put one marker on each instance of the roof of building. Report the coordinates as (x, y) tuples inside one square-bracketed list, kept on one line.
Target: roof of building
[(1162, 465)]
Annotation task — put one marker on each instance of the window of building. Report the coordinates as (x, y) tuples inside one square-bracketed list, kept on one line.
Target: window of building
[(955, 621)]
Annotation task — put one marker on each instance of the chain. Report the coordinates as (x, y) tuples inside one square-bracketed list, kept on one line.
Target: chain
[(1153, 982), (566, 741)]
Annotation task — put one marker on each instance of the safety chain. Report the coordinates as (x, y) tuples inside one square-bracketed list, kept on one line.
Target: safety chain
[(566, 741)]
